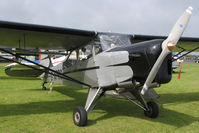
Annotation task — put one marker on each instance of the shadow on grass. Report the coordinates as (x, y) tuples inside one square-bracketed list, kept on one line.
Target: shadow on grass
[(179, 97), (111, 107), (18, 78)]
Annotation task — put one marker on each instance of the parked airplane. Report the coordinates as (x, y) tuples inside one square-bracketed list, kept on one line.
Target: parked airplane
[(130, 65), (18, 70)]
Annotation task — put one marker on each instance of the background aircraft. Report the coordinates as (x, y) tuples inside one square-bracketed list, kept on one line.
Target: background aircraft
[(130, 65), (20, 70)]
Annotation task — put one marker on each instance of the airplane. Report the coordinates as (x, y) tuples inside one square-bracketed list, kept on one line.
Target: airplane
[(130, 65), (17, 70)]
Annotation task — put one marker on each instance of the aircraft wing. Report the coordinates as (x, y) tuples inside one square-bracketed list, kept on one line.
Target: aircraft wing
[(137, 37), (186, 43), (19, 35)]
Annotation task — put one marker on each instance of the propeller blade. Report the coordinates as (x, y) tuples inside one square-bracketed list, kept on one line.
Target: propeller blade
[(168, 45)]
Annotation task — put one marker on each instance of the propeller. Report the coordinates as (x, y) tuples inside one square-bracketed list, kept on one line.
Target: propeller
[(168, 45)]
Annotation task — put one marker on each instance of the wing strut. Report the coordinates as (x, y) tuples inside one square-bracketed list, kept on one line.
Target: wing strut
[(45, 69), (180, 51), (186, 53)]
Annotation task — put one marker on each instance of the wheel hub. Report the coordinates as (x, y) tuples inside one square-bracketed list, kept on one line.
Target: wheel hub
[(149, 111), (77, 117)]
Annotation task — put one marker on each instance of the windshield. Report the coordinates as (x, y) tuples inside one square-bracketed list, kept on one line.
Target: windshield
[(109, 41)]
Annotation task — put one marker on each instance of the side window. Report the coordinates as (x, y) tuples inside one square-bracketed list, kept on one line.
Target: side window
[(85, 52), (72, 59), (78, 55), (98, 49)]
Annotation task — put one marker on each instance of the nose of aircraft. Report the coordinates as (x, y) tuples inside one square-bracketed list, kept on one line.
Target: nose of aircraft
[(142, 57)]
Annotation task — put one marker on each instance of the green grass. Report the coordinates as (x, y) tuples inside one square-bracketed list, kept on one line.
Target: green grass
[(24, 107)]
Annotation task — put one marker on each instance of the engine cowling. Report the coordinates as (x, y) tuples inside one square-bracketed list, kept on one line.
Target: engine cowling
[(142, 57)]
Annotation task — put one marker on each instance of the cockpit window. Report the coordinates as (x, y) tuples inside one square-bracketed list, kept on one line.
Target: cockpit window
[(110, 41), (85, 52), (102, 43)]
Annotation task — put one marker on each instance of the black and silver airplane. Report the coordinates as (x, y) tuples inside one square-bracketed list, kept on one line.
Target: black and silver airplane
[(128, 65)]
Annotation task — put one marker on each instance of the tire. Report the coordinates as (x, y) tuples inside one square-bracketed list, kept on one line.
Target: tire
[(153, 110), (80, 116), (44, 88)]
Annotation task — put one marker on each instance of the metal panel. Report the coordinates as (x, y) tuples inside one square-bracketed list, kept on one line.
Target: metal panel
[(112, 69)]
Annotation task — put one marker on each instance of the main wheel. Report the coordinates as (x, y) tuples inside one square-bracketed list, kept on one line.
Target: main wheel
[(44, 88), (80, 116), (153, 110)]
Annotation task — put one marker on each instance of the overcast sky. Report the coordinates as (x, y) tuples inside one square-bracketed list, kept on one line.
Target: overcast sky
[(153, 17)]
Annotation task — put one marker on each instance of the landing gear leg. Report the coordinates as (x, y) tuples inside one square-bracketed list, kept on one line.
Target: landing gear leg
[(80, 114), (51, 86), (150, 108), (45, 76), (43, 86)]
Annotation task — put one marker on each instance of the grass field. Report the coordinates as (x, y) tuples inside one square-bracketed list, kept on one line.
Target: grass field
[(24, 107)]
